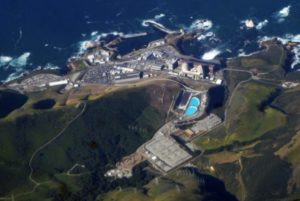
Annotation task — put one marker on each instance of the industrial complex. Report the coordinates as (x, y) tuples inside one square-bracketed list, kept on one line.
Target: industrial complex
[(170, 146), (165, 153), (101, 66)]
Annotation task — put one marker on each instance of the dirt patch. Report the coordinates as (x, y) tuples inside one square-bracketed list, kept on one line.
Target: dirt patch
[(224, 157), (162, 94)]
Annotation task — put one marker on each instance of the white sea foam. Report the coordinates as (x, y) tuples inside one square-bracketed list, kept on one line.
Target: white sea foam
[(50, 66), (82, 46), (15, 64), (4, 60), (205, 36), (296, 59), (94, 33), (201, 24), (95, 36), (118, 14), (283, 13), (13, 76), (262, 24), (211, 54), (248, 23), (153, 20), (20, 61), (161, 15)]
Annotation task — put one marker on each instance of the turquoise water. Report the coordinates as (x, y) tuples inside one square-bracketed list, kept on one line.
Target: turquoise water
[(191, 110), (195, 102), (193, 106)]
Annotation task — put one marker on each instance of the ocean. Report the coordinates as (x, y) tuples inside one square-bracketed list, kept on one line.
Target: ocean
[(43, 34)]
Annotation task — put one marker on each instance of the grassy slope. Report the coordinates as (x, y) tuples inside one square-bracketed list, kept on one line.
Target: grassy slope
[(274, 155), (289, 152), (267, 61), (178, 186), (289, 101), (268, 168), (19, 139), (245, 121), (109, 129)]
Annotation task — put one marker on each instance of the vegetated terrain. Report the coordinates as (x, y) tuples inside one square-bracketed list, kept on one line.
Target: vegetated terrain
[(246, 118), (108, 129), (252, 156), (255, 151), (185, 184), (272, 58), (19, 138)]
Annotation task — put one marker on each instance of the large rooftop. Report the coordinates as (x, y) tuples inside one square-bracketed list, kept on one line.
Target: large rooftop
[(165, 152)]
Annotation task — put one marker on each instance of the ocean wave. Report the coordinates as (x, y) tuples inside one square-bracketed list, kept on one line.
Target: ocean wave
[(95, 36), (248, 24), (4, 60), (14, 65), (262, 24), (20, 61), (211, 54), (205, 36), (284, 39), (153, 20), (159, 16), (19, 72), (201, 24), (13, 76), (283, 13), (94, 33), (197, 25), (17, 63), (82, 46), (296, 59), (50, 66)]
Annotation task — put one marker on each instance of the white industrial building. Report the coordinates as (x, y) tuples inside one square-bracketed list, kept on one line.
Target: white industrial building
[(196, 72), (58, 83)]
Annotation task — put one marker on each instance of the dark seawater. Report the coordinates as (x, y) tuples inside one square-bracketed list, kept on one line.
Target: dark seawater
[(50, 31)]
